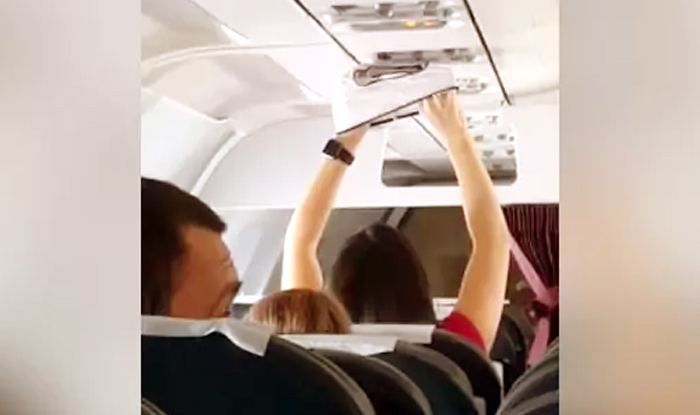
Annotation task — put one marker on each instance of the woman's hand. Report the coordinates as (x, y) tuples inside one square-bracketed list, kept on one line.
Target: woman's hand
[(444, 114)]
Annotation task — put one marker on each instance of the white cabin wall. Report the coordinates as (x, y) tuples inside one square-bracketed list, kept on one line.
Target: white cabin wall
[(256, 238)]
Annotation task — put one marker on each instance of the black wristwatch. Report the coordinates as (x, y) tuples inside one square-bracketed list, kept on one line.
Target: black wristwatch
[(335, 150)]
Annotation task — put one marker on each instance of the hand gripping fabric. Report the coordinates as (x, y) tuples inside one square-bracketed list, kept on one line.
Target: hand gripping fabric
[(376, 94)]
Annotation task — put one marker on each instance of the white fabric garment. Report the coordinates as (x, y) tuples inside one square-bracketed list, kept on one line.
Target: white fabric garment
[(359, 344), (376, 93), (252, 338), (412, 333)]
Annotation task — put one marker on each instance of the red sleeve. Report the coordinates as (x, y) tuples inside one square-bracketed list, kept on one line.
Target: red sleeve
[(460, 324)]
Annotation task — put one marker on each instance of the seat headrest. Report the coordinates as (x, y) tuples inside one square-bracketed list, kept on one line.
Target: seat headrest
[(364, 345), (147, 408), (412, 333), (250, 337)]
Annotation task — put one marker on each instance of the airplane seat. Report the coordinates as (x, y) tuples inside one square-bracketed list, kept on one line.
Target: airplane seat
[(537, 391), (390, 390), (510, 349), (444, 384), (209, 374), (474, 363), (147, 408)]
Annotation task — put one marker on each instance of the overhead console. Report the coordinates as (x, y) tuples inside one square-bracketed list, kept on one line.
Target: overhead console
[(420, 159), (423, 15), (383, 34)]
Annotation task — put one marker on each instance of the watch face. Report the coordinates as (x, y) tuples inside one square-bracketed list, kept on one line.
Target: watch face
[(332, 148)]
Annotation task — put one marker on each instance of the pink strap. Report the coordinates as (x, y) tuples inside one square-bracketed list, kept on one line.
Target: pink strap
[(542, 293), (539, 345), (547, 296)]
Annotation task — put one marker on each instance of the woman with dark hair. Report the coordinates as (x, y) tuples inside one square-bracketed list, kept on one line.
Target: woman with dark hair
[(378, 276), (380, 279)]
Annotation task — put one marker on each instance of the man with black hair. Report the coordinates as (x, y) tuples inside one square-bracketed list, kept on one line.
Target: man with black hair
[(186, 269)]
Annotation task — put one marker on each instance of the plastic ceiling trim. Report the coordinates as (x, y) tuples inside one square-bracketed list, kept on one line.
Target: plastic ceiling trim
[(227, 147), (157, 62)]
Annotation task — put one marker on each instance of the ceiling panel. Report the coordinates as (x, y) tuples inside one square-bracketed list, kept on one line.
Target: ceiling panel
[(190, 56), (317, 67), (266, 21), (526, 36), (174, 25), (219, 86)]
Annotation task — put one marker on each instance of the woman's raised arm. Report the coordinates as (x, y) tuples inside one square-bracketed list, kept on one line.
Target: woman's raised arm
[(300, 266), (482, 292)]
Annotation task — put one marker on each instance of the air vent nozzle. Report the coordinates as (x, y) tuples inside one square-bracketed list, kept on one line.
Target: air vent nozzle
[(472, 85), (435, 56)]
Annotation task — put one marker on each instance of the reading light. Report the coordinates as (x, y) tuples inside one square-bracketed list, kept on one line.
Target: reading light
[(235, 36)]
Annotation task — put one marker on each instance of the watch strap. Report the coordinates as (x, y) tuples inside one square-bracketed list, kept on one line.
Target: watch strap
[(335, 150)]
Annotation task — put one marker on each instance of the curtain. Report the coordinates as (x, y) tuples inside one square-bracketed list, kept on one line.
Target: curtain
[(535, 228)]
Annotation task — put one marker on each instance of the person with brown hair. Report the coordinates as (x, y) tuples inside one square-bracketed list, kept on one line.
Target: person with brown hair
[(301, 311), (377, 276)]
